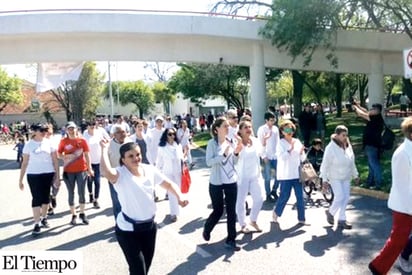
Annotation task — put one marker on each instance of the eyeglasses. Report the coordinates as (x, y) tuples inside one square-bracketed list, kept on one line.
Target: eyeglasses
[(234, 117), (171, 134)]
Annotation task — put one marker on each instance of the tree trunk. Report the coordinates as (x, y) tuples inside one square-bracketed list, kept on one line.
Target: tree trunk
[(297, 93), (338, 85)]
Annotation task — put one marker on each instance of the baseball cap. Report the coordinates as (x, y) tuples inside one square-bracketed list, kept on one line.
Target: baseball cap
[(39, 127), (71, 124), (159, 118)]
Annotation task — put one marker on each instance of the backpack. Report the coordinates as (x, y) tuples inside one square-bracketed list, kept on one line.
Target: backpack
[(388, 138)]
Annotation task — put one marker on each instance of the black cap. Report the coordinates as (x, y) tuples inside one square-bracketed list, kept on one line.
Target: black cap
[(39, 127)]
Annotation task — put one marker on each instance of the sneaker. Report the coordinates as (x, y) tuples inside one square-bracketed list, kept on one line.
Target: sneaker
[(36, 230), (73, 221), (275, 195), (329, 217), (377, 188), (91, 199), (206, 235), (45, 223), (82, 216), (50, 211), (344, 225), (274, 217), (232, 245), (96, 205), (405, 265), (303, 223), (270, 199), (53, 201)]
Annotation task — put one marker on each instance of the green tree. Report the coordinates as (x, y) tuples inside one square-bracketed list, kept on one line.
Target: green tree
[(137, 93), (300, 27), (163, 95), (10, 90), (81, 98), (202, 81)]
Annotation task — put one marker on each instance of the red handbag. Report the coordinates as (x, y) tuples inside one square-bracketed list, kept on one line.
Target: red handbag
[(186, 181)]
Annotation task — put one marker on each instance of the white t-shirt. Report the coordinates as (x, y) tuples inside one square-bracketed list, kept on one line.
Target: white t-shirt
[(94, 144), (40, 160), (183, 136), (153, 139), (136, 194)]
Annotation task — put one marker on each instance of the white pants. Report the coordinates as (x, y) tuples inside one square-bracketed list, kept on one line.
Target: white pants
[(341, 190), (173, 203), (254, 186)]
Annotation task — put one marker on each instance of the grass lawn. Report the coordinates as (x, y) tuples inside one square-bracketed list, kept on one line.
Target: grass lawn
[(355, 126), (201, 139)]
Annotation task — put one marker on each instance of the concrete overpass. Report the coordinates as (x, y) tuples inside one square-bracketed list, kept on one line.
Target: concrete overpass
[(130, 35)]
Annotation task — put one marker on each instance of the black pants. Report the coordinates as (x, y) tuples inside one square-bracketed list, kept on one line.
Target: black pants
[(219, 194), (40, 188), (138, 247)]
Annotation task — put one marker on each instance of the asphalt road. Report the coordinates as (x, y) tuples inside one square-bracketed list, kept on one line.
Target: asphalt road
[(283, 248)]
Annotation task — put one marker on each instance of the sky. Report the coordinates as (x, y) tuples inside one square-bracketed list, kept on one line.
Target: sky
[(171, 5), (119, 70)]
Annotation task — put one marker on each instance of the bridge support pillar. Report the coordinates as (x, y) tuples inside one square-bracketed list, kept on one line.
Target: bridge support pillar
[(376, 82), (257, 87)]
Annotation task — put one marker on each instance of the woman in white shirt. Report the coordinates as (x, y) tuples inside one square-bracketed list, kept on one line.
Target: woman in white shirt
[(290, 153), (134, 183), (183, 136), (42, 167), (169, 161), (93, 135), (338, 168), (221, 156), (250, 178), (400, 203)]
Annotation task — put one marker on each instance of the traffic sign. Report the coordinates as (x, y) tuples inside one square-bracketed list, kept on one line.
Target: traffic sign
[(407, 63)]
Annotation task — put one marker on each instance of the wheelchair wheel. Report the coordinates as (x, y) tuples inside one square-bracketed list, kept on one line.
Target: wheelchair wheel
[(308, 187), (327, 193)]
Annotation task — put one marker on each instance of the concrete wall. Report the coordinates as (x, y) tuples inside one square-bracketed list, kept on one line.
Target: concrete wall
[(78, 36), (60, 118)]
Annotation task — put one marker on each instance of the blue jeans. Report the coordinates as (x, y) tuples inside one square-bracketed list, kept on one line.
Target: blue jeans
[(267, 175), (115, 201), (375, 170), (285, 188), (96, 180)]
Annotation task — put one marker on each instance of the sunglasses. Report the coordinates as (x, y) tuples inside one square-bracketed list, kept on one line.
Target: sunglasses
[(171, 134)]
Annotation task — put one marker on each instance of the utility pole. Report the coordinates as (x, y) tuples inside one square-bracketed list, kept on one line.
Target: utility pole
[(110, 90)]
